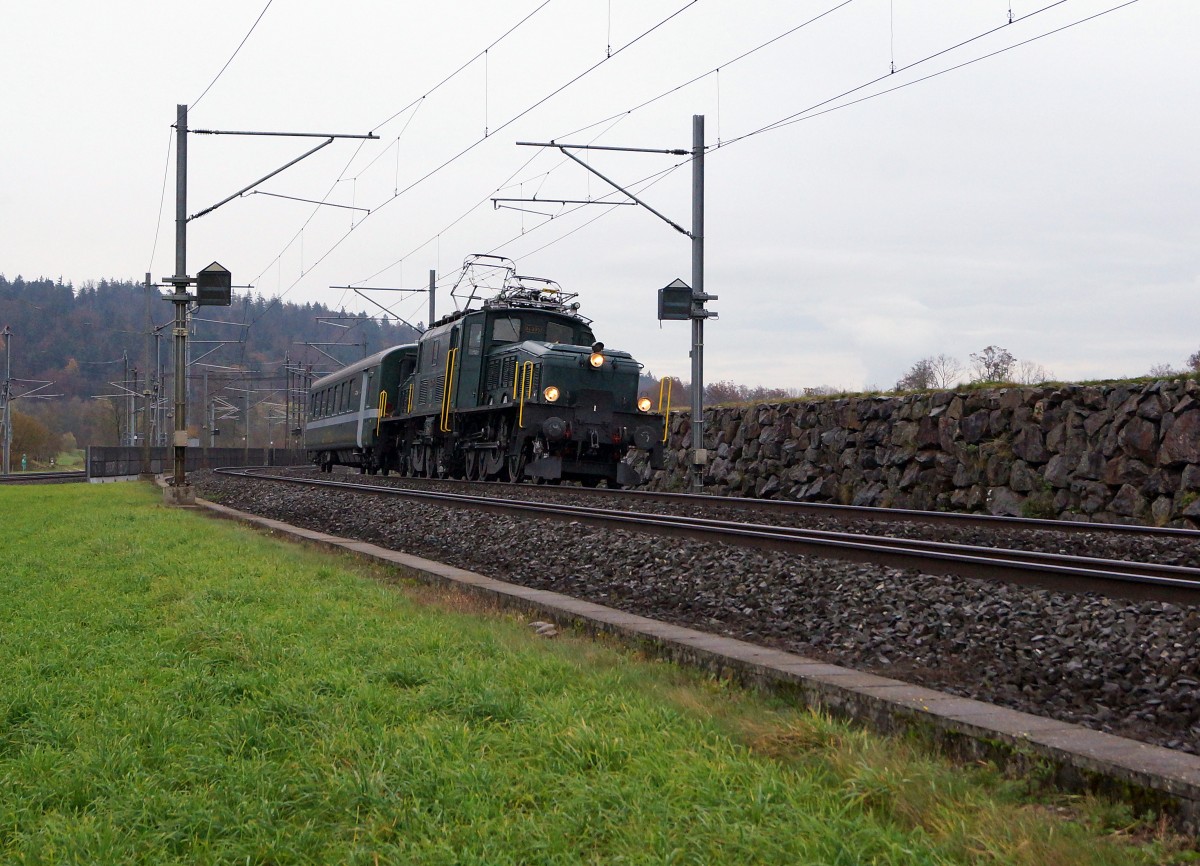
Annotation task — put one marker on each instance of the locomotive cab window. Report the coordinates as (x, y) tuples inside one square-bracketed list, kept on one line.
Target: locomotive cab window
[(475, 339), (506, 330), (557, 332)]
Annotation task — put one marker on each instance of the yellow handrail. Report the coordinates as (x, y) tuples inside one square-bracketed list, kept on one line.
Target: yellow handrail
[(669, 383), (522, 388), (382, 410), (410, 396), (447, 391)]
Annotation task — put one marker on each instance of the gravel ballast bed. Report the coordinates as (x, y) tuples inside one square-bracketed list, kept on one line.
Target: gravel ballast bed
[(1131, 669)]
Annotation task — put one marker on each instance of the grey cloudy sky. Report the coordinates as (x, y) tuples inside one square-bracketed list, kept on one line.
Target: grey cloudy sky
[(1043, 199)]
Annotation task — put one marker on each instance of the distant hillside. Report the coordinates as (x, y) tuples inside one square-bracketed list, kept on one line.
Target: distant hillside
[(85, 338)]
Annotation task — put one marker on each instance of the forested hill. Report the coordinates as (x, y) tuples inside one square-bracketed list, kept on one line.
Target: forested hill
[(78, 338)]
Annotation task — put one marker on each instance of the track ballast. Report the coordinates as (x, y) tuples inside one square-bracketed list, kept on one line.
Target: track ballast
[(1131, 668)]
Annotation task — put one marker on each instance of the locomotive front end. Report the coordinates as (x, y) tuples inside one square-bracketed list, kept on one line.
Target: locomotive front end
[(581, 412)]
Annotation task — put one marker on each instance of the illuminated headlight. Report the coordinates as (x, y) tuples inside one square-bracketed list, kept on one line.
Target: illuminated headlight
[(596, 360), (551, 394), (644, 404)]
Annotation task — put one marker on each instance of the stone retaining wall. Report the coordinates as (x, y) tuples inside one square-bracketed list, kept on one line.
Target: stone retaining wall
[(1124, 453)]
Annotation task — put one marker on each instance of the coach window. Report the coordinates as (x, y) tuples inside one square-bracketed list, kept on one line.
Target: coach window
[(475, 339), (506, 330)]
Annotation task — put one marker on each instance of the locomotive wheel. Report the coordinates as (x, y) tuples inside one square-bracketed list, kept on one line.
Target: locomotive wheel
[(495, 465), (491, 464), (473, 465), (516, 467), (416, 461)]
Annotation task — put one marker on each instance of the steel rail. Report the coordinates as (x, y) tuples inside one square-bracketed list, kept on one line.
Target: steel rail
[(1135, 580), (858, 512), (911, 515), (44, 477)]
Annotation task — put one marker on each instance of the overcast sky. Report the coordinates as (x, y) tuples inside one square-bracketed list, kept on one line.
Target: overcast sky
[(1044, 199)]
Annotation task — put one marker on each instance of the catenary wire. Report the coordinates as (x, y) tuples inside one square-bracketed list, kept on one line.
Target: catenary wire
[(902, 69), (417, 102), (779, 124), (612, 120), (464, 66), (196, 101), (161, 200), (795, 119), (475, 144), (506, 184)]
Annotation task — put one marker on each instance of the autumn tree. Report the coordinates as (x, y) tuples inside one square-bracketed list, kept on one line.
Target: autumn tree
[(993, 364), (33, 438), (936, 371), (918, 377), (723, 392), (1032, 373)]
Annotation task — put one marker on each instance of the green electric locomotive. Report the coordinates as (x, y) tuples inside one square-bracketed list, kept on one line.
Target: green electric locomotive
[(513, 387)]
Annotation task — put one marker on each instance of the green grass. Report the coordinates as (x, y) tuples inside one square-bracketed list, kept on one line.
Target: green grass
[(182, 690), (70, 459)]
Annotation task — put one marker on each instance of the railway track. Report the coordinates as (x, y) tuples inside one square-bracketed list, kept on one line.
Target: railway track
[(781, 509), (1059, 571), (44, 477)]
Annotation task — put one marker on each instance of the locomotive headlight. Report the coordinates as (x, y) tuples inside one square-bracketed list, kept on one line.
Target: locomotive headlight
[(550, 393), (644, 404), (596, 360)]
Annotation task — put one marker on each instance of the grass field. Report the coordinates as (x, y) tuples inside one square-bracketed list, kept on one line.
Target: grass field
[(183, 690)]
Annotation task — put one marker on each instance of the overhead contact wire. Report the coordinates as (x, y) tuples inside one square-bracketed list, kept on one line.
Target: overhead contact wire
[(354, 156), (476, 143), (808, 116), (879, 78)]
